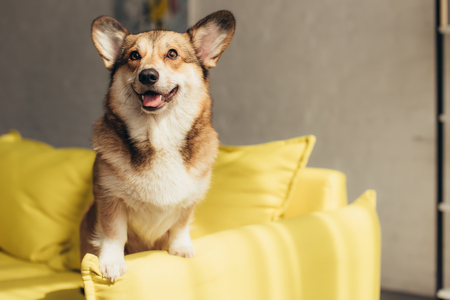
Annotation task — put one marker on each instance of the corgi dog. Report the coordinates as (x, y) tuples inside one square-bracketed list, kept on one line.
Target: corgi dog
[(155, 144)]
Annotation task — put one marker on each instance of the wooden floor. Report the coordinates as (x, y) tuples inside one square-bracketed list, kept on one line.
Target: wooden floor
[(385, 295)]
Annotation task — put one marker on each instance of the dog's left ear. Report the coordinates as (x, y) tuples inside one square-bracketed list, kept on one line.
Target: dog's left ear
[(211, 36)]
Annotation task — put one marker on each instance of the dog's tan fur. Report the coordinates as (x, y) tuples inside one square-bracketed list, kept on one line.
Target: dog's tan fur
[(152, 167)]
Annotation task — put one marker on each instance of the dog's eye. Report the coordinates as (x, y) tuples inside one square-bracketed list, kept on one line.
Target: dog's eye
[(134, 55), (172, 54)]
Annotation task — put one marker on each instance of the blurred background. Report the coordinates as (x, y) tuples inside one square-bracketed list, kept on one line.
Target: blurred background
[(358, 74)]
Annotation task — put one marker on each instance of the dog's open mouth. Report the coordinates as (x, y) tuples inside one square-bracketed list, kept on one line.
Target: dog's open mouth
[(152, 101)]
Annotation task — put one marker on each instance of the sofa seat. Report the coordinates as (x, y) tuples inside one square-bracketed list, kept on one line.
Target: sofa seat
[(20, 279)]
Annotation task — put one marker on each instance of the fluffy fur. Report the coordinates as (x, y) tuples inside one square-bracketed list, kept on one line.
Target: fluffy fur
[(153, 162)]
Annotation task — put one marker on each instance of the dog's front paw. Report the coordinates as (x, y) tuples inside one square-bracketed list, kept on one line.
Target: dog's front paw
[(112, 266), (182, 248)]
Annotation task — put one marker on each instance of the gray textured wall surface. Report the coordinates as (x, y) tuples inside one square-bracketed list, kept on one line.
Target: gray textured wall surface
[(360, 76), (52, 80)]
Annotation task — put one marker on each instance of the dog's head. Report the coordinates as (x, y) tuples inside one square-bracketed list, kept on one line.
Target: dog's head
[(156, 67)]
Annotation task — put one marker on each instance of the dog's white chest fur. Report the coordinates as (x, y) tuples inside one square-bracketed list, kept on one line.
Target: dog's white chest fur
[(166, 181)]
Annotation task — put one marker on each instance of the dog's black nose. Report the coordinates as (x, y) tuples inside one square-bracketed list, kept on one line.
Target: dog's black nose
[(148, 76)]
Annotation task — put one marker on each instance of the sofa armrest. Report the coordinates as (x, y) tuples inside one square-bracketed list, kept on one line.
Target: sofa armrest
[(316, 190), (329, 255)]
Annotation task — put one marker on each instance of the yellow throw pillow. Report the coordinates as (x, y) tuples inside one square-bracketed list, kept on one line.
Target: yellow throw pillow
[(251, 184), (43, 195)]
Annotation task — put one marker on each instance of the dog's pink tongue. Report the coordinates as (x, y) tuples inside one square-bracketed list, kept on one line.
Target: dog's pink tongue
[(152, 100)]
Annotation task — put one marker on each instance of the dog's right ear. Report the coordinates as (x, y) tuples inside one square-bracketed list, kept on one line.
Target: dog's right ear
[(108, 36)]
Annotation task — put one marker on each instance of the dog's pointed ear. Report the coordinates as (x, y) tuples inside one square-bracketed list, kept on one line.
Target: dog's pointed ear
[(108, 35), (211, 36)]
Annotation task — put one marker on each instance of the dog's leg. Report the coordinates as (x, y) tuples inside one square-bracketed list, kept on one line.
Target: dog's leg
[(112, 238), (179, 238), (87, 227)]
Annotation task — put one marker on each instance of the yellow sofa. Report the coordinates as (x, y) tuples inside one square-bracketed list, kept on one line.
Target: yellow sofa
[(316, 248)]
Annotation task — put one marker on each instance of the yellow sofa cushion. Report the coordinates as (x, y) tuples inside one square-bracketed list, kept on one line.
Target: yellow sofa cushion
[(251, 184), (327, 187), (331, 255), (43, 194), (24, 280)]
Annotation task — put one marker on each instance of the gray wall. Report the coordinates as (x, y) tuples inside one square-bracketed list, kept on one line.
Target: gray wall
[(52, 80), (360, 76)]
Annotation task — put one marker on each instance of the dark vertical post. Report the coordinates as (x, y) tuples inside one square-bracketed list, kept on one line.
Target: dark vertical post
[(439, 149)]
